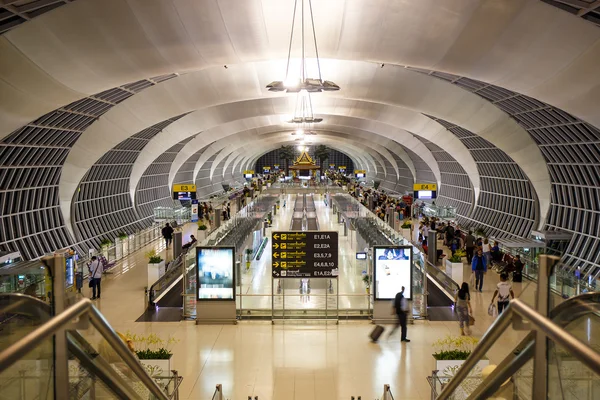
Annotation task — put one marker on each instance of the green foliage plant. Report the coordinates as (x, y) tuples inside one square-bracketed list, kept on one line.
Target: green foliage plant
[(455, 259), (152, 347), (153, 257), (202, 227), (454, 347), (367, 280)]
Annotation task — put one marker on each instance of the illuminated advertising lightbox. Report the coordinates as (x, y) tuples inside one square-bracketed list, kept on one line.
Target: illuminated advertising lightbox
[(70, 271), (215, 273), (392, 270)]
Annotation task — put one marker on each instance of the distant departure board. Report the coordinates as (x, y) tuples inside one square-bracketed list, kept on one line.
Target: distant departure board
[(304, 254)]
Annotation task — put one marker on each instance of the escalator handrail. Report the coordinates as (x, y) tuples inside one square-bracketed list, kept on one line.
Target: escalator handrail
[(577, 348), (171, 272), (83, 308), (566, 308)]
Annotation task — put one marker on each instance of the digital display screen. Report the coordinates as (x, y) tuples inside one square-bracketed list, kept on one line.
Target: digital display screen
[(70, 272), (184, 195), (425, 194), (215, 273), (248, 176), (360, 175), (361, 256), (393, 269)]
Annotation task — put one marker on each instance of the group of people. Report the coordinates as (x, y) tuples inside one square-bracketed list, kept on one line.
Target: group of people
[(503, 294), (381, 202)]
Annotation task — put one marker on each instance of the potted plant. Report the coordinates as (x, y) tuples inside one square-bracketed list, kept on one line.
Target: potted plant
[(451, 353), (156, 267), (249, 254), (104, 245), (480, 232), (405, 227), (454, 268), (202, 230), (367, 280), (154, 352)]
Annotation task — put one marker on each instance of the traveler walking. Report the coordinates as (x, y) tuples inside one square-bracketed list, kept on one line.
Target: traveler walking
[(463, 307), (167, 233), (504, 292), (401, 310), (470, 246), (479, 268), (95, 269), (487, 251)]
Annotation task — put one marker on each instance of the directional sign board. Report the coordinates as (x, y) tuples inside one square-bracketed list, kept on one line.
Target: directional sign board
[(304, 254)]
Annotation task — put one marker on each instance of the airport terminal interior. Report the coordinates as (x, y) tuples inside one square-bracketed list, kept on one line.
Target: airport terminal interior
[(299, 199)]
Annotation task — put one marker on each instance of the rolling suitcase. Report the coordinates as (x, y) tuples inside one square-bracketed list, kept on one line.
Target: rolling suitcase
[(376, 333)]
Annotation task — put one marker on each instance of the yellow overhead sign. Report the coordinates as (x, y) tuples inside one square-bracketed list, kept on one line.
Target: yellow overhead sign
[(249, 172), (360, 171), (425, 186), (184, 187)]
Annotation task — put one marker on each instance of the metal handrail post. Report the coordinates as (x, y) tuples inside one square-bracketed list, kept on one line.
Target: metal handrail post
[(61, 358), (540, 362), (218, 393)]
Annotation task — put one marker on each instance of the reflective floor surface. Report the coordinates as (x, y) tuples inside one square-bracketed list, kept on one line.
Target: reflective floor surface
[(296, 360)]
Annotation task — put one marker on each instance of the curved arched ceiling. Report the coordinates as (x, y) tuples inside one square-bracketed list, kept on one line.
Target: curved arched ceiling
[(224, 63), (389, 94), (86, 47)]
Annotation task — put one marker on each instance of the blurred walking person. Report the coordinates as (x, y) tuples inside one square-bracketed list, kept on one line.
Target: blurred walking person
[(401, 310)]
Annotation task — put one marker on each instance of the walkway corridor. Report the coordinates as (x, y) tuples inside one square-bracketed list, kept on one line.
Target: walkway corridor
[(296, 360)]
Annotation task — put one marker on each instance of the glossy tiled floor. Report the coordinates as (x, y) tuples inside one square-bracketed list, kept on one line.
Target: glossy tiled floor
[(307, 360)]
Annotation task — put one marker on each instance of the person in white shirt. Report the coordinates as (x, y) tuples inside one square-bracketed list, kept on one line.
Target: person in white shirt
[(95, 269), (425, 231), (504, 292), (485, 247)]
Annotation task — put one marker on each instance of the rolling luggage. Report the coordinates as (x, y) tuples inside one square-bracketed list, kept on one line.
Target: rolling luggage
[(517, 277), (376, 333)]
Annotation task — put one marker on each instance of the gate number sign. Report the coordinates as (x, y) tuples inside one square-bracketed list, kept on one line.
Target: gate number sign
[(304, 254)]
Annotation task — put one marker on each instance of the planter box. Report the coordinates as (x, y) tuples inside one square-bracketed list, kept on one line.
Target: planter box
[(157, 367), (201, 235), (455, 270), (155, 271), (448, 368), (405, 232)]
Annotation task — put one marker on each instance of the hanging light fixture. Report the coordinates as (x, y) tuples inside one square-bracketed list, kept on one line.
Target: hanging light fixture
[(293, 84), (303, 113)]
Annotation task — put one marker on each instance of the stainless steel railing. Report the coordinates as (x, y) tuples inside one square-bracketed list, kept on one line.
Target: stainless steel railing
[(541, 328), (86, 312)]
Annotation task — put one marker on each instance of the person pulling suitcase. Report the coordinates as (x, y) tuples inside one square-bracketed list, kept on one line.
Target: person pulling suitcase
[(401, 310)]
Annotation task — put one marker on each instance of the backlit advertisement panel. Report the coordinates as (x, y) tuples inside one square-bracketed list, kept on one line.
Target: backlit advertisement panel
[(215, 273), (392, 270)]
